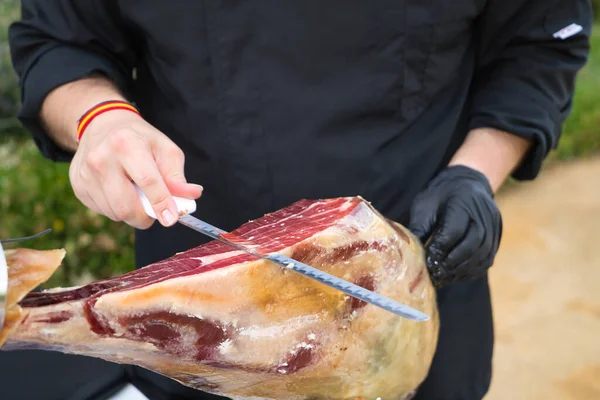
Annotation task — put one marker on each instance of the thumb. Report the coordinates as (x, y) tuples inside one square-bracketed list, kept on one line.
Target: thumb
[(170, 160), (423, 216)]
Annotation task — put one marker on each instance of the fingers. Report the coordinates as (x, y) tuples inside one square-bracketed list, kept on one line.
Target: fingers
[(423, 216), (100, 179), (170, 160), (140, 166), (471, 252), (466, 264), (97, 204), (464, 250), (101, 204), (123, 201), (82, 185), (123, 152), (185, 190), (476, 253), (451, 227)]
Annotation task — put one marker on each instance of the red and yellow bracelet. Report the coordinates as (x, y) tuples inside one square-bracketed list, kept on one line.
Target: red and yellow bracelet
[(101, 108)]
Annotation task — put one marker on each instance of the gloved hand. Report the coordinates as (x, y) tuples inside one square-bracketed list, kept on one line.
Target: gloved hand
[(458, 220)]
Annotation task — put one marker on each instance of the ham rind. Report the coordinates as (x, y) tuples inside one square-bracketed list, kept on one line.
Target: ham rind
[(223, 321)]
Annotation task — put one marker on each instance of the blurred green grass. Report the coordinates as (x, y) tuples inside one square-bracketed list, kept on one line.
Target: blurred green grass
[(35, 193), (581, 132)]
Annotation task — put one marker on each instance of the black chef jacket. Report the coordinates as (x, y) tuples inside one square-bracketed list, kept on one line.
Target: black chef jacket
[(275, 101)]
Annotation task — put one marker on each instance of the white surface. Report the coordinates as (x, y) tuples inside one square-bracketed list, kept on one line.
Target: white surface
[(129, 392)]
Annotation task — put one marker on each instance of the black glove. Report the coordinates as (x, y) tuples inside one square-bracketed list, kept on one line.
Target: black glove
[(459, 216)]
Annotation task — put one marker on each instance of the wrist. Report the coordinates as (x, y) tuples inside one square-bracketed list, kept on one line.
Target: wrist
[(465, 173), (65, 105), (493, 153), (113, 107), (110, 122)]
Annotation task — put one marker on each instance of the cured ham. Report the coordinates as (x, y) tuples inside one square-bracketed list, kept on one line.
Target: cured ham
[(222, 321)]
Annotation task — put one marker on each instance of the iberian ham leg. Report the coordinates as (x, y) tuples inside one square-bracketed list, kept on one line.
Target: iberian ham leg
[(222, 321)]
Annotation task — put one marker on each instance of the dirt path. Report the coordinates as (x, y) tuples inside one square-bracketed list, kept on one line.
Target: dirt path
[(546, 287)]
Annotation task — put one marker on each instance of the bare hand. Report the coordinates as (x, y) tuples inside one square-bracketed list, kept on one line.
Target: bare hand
[(119, 148)]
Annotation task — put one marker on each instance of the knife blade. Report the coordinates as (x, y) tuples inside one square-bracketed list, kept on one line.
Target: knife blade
[(188, 206)]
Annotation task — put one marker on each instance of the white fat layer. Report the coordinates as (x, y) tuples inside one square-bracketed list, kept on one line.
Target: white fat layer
[(279, 330), (217, 257), (226, 346), (346, 205)]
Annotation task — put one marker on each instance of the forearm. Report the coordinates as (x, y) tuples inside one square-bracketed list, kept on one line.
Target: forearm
[(63, 107), (492, 152)]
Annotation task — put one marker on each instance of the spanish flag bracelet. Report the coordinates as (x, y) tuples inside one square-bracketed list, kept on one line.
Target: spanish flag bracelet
[(101, 108)]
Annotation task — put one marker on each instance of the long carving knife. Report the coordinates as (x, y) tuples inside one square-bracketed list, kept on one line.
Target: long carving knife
[(187, 206)]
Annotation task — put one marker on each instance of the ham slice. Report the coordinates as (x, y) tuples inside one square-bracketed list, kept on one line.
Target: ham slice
[(224, 322)]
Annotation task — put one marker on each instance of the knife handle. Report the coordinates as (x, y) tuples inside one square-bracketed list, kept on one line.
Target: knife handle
[(184, 206)]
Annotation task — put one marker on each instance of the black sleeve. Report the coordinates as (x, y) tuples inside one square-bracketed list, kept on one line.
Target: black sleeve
[(525, 81), (59, 41)]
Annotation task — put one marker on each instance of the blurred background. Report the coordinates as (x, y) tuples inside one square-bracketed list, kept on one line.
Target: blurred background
[(545, 282)]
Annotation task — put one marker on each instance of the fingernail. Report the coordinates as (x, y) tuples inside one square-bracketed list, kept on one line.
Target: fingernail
[(168, 217), (197, 186)]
